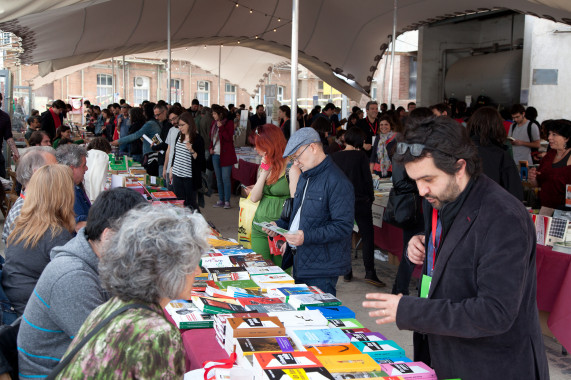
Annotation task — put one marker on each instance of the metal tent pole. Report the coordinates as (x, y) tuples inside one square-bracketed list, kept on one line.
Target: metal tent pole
[(393, 38), (169, 52), (113, 78), (219, 64), (124, 84), (294, 59)]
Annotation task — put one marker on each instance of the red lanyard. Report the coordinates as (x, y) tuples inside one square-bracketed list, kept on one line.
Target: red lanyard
[(389, 140), (282, 124), (371, 125), (434, 227)]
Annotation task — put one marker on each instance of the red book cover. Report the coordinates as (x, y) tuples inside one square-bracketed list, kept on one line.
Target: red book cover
[(163, 195)]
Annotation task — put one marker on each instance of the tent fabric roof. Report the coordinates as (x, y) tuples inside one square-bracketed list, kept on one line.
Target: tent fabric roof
[(335, 37), (253, 64)]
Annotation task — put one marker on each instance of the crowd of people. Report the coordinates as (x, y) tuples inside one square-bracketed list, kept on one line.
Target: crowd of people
[(76, 254)]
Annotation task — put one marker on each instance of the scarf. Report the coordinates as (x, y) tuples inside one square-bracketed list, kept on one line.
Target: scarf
[(383, 159), (57, 120)]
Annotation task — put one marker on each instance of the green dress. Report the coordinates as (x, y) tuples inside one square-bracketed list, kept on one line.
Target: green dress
[(269, 210)]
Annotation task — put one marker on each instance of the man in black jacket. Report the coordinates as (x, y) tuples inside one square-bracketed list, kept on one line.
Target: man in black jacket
[(476, 317), (51, 120)]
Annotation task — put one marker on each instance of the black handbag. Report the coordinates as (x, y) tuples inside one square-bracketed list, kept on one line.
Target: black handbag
[(402, 209), (287, 210)]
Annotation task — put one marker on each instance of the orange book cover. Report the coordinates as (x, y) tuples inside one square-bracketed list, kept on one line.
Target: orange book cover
[(334, 349)]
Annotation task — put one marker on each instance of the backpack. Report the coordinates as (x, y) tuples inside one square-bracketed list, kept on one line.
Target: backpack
[(531, 122)]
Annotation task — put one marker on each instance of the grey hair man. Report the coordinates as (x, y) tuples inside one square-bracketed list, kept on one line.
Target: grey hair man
[(34, 158), (322, 215), (75, 157), (370, 125), (69, 287)]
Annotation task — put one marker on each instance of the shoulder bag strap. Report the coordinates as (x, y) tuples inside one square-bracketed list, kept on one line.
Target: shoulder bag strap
[(65, 361)]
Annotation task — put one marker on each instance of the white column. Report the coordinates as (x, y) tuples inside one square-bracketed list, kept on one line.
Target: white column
[(294, 59)]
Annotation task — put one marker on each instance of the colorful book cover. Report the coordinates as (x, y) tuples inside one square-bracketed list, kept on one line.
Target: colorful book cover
[(334, 349), (300, 318), (188, 316), (412, 370), (258, 301), (253, 327), (320, 337), (249, 346), (271, 308), (245, 284), (365, 336), (349, 363), (402, 359), (319, 373), (372, 375), (235, 276), (162, 195), (363, 330), (380, 350), (301, 301), (216, 262), (346, 323), (334, 312), (280, 360), (214, 307), (255, 271), (224, 270), (278, 278), (236, 292)]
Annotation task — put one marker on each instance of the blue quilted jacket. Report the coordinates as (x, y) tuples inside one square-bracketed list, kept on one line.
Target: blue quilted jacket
[(326, 220)]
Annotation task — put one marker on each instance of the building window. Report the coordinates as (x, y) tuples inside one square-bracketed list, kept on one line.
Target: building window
[(104, 89), (141, 88), (281, 92), (320, 85), (229, 94), (412, 78), (176, 91), (203, 93), (374, 91)]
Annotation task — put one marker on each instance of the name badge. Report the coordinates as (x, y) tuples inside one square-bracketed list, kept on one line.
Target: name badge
[(425, 286)]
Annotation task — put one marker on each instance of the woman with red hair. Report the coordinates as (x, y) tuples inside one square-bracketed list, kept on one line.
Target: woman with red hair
[(271, 188)]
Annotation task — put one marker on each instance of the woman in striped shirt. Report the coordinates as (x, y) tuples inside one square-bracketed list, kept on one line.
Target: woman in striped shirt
[(188, 162)]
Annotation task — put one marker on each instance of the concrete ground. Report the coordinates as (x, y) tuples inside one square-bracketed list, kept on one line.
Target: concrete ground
[(352, 294)]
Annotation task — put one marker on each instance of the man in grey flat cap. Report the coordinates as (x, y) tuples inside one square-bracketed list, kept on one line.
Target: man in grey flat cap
[(322, 218)]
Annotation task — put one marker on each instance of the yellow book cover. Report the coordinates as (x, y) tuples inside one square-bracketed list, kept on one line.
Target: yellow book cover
[(349, 363)]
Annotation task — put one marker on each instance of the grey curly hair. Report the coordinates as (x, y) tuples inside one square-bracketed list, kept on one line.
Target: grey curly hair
[(151, 253)]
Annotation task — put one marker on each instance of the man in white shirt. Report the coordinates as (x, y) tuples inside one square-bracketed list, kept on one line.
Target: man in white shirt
[(525, 136)]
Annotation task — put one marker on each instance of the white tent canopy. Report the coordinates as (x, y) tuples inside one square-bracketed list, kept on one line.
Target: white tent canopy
[(335, 36), (240, 66)]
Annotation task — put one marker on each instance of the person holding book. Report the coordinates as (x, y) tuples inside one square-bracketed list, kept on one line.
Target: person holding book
[(149, 129), (271, 188), (188, 162), (151, 260), (69, 287), (554, 171), (476, 317), (322, 215)]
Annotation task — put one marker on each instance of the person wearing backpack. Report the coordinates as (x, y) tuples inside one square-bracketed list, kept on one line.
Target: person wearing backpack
[(523, 134)]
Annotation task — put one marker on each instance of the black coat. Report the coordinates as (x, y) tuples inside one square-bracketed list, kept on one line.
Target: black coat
[(48, 125), (481, 315), (500, 166)]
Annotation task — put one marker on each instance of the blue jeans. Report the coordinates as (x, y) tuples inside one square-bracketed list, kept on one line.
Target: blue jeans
[(7, 312), (327, 284), (223, 174)]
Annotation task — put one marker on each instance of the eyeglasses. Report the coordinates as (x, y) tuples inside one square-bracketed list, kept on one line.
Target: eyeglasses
[(295, 159), (415, 149)]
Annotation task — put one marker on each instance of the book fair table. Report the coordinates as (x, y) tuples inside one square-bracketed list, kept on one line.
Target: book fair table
[(245, 172), (554, 291)]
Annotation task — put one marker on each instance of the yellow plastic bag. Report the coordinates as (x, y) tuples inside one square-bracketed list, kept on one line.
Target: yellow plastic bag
[(245, 219)]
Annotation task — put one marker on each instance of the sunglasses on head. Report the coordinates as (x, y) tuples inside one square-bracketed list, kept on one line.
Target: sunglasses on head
[(416, 149)]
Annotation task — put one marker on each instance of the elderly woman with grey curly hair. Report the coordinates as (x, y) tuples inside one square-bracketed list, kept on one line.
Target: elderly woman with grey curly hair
[(152, 259)]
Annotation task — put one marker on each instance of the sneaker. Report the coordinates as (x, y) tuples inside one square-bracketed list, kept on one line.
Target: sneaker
[(348, 277), (371, 278), (227, 205), (218, 204)]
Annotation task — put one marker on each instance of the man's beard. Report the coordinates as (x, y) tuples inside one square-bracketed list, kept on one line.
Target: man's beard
[(451, 193)]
